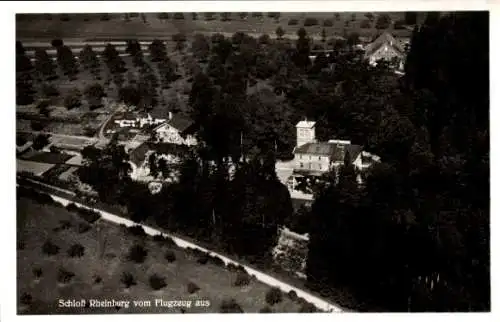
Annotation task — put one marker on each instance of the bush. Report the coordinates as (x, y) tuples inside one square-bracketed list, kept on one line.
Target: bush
[(293, 22), (137, 254), (37, 272), (216, 261), (128, 279), (292, 295), (136, 230), (365, 24), (192, 288), (57, 43), (64, 276), (242, 279), (274, 296), (310, 22), (88, 215), (50, 248), (308, 308), (26, 298), (328, 23), (157, 282), (230, 306), (83, 228), (76, 250), (203, 259), (170, 256), (37, 125), (164, 240), (178, 16), (266, 309)]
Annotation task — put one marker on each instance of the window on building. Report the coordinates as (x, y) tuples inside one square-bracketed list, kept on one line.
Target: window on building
[(301, 165), (309, 157), (319, 166), (319, 158)]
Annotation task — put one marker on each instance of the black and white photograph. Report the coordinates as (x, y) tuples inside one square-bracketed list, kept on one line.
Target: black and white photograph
[(252, 162)]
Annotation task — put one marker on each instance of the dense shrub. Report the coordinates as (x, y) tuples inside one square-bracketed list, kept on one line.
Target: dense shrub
[(266, 309), (170, 256), (88, 215), (83, 228), (192, 288), (157, 282), (308, 22), (57, 43), (128, 279), (216, 261), (202, 259), (64, 276), (365, 24), (274, 296), (50, 248), (293, 22), (76, 250), (40, 198), (137, 254), (164, 240), (37, 272), (178, 16), (137, 230), (328, 23), (230, 306), (26, 298), (242, 279), (292, 295), (308, 308), (38, 125), (97, 279)]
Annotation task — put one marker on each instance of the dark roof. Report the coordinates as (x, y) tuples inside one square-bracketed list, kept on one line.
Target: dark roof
[(181, 123), (332, 150), (385, 38), (138, 155), (49, 157)]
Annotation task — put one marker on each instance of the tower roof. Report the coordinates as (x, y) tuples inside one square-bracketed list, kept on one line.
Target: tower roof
[(306, 124)]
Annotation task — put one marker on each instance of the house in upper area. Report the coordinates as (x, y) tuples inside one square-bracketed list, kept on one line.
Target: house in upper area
[(177, 129), (387, 48)]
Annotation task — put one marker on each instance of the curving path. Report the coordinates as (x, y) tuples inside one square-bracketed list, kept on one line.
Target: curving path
[(264, 278)]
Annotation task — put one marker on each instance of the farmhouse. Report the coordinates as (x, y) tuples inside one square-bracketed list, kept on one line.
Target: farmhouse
[(387, 48), (177, 130)]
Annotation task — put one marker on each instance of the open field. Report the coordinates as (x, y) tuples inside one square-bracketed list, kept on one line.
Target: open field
[(91, 27), (98, 272)]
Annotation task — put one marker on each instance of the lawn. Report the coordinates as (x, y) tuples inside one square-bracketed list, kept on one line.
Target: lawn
[(98, 272)]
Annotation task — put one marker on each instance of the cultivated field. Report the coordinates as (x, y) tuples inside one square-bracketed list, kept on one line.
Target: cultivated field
[(78, 27), (97, 270)]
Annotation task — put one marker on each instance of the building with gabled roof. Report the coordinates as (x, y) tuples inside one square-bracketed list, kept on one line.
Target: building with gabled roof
[(177, 129), (385, 47)]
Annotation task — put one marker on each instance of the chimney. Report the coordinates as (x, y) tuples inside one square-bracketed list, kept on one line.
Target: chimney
[(169, 115)]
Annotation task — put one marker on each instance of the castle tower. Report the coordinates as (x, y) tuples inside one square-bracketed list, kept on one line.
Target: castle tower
[(306, 132)]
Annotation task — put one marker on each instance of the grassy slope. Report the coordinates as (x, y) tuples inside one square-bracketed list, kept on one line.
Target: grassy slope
[(215, 282)]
